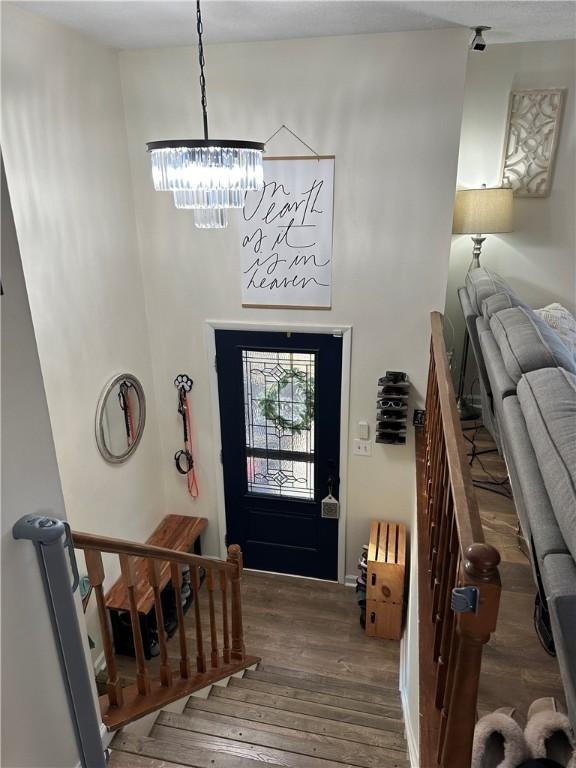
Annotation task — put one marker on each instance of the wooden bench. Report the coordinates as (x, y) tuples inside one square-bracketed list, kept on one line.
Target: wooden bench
[(176, 532)]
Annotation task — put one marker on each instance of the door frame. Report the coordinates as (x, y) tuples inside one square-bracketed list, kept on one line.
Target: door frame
[(210, 326)]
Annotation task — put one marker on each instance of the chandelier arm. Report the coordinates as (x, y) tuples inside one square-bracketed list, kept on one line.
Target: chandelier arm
[(202, 62)]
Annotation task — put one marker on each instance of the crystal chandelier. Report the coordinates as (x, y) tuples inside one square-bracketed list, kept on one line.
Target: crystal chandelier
[(206, 175)]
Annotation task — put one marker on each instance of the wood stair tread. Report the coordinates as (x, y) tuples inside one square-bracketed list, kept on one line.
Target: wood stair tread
[(130, 751), (301, 722), (391, 722), (326, 685), (265, 754), (287, 740), (389, 679), (295, 692), (128, 760)]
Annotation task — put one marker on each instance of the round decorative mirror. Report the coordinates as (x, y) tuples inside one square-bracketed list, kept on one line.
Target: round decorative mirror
[(120, 418)]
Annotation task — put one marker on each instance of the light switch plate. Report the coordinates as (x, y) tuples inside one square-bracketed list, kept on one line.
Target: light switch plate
[(363, 430), (362, 448)]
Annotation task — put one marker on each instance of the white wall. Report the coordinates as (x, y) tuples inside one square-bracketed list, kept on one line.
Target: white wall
[(64, 144), (389, 108), (539, 257), (36, 729)]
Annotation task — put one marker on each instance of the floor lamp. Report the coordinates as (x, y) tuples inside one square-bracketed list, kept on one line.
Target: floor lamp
[(478, 212)]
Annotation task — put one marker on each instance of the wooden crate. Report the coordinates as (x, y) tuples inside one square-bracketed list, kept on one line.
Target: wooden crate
[(384, 620), (385, 579)]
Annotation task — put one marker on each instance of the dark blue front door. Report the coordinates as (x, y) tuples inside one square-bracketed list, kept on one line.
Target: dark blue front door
[(280, 420)]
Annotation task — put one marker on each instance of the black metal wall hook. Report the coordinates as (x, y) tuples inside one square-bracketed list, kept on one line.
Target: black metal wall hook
[(183, 458), (183, 382)]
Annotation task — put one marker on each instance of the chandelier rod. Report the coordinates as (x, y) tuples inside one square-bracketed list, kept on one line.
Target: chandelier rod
[(202, 62)]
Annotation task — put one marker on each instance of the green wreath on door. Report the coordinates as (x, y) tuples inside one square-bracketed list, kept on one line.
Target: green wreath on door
[(303, 390)]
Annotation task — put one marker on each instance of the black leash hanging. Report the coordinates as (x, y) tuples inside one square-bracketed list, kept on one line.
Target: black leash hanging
[(183, 458), (124, 400)]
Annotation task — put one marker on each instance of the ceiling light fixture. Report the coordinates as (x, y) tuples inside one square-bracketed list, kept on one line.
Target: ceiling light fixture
[(206, 175)]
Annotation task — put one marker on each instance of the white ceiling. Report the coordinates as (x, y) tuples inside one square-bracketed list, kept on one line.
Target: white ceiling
[(141, 24)]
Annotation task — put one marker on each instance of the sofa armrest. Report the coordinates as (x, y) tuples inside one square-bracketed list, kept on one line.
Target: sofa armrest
[(559, 577)]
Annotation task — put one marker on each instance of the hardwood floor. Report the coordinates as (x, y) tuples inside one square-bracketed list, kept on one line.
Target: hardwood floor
[(312, 626), (303, 624)]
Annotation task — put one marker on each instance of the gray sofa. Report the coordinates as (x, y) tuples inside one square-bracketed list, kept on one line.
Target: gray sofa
[(528, 391)]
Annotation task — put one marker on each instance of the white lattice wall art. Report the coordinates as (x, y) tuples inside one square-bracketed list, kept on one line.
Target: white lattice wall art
[(531, 139)]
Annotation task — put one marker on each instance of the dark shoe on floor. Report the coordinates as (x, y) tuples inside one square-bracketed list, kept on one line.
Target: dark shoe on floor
[(543, 626)]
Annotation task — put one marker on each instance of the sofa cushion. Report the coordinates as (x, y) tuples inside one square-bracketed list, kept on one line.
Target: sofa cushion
[(500, 301), (527, 343), (537, 518), (481, 283), (548, 401), (501, 385)]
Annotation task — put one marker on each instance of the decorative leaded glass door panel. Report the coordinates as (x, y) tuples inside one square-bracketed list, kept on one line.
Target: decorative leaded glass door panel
[(280, 420)]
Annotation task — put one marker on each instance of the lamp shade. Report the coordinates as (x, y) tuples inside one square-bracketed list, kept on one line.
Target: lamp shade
[(483, 211)]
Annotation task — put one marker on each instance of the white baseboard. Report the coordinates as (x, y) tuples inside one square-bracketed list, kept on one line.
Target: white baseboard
[(411, 736), (106, 736), (350, 580)]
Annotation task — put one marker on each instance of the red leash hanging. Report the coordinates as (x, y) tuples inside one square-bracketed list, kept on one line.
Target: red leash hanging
[(184, 459)]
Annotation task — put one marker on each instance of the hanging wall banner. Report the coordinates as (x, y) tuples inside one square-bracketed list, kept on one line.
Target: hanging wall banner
[(286, 235)]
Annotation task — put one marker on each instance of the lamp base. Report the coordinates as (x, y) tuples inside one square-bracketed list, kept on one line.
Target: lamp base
[(467, 412), (476, 251)]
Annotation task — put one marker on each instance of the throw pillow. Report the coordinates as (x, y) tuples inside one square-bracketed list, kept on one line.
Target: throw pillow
[(562, 321)]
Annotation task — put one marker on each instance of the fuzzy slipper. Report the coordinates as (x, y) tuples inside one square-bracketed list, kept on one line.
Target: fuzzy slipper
[(498, 741), (549, 734)]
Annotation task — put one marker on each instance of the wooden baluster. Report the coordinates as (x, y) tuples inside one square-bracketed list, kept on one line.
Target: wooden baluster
[(214, 653), (430, 418), (436, 442), (443, 641), (449, 687), (95, 570), (225, 628), (154, 579), (435, 489), (447, 574), (473, 630), (235, 557), (129, 576), (430, 377), (200, 655), (176, 578), (440, 538), (436, 507)]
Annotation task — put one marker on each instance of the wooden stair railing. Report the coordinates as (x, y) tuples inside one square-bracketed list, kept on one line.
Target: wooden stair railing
[(197, 668), (459, 583)]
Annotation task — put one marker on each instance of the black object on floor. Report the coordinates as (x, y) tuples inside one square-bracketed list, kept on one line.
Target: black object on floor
[(543, 626), (541, 763)]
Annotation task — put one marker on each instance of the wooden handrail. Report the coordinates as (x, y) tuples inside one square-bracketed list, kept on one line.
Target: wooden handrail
[(455, 566), (157, 566), (466, 509), (90, 541)]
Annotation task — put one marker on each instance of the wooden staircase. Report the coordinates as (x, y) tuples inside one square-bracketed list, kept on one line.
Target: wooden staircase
[(274, 716)]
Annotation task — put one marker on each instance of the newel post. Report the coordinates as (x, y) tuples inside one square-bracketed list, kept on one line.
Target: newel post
[(235, 558), (473, 627)]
